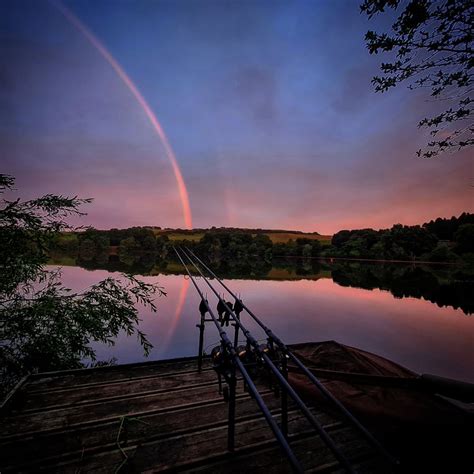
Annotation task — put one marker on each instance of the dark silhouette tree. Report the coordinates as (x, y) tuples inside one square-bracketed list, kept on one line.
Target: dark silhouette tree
[(430, 46), (464, 238)]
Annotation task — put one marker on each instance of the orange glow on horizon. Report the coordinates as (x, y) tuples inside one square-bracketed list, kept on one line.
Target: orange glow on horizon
[(183, 192)]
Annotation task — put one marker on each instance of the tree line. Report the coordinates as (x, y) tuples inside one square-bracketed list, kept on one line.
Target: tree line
[(440, 240)]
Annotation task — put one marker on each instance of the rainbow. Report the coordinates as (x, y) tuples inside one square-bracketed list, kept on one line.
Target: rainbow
[(183, 192)]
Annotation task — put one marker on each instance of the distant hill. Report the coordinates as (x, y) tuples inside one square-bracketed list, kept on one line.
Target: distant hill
[(276, 235), (440, 240)]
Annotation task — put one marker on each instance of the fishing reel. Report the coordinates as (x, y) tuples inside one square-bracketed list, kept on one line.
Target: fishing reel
[(248, 357), (221, 360), (270, 350), (255, 365), (251, 357)]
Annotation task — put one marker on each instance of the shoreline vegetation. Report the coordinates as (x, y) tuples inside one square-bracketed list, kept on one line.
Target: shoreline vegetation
[(248, 254), (438, 241), (444, 285)]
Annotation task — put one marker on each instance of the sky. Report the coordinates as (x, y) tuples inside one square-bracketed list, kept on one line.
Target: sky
[(266, 105)]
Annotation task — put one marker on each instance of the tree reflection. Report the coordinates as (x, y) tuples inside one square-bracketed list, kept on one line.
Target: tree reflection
[(448, 286), (444, 285)]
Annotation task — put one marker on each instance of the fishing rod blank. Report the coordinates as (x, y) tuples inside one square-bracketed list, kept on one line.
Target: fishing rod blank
[(329, 396), (251, 386), (283, 382)]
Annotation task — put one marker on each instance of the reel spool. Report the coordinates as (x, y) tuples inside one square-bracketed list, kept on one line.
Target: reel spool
[(220, 359), (246, 355)]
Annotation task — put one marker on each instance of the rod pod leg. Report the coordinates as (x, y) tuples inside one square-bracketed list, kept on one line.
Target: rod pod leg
[(201, 342), (231, 427), (284, 398)]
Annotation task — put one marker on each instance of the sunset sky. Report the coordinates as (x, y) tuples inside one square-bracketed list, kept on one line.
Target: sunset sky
[(267, 106)]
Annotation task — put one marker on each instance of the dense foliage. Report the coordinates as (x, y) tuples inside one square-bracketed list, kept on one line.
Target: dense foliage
[(445, 229), (398, 243), (430, 46), (243, 255), (440, 240), (44, 325), (236, 246)]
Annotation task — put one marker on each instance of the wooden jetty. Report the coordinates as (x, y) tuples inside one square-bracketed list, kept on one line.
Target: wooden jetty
[(159, 416), (173, 416)]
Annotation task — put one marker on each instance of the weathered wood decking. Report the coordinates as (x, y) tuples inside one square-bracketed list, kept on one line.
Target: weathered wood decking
[(159, 416)]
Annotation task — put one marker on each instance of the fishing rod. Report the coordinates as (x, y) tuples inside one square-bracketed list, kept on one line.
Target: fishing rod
[(295, 464), (282, 380), (327, 394)]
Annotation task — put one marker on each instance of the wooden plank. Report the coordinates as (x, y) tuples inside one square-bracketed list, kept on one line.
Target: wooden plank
[(22, 424), (267, 457), (70, 444), (102, 401), (178, 450), (63, 379), (170, 417), (98, 381), (19, 425), (94, 394)]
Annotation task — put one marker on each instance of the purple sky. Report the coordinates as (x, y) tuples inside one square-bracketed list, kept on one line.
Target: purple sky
[(268, 107)]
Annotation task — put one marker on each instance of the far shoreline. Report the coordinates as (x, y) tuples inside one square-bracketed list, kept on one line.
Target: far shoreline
[(371, 260)]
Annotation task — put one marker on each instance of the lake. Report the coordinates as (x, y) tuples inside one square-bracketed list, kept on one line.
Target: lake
[(418, 316)]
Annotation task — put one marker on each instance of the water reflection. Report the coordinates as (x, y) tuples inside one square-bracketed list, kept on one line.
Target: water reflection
[(444, 285), (386, 309)]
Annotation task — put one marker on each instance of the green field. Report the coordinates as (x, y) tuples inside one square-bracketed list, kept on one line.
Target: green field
[(66, 238), (182, 235), (284, 237), (276, 237)]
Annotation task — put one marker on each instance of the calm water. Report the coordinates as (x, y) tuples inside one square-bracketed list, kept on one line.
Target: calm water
[(411, 331)]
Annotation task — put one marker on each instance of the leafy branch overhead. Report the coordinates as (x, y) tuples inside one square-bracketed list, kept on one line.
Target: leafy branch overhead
[(431, 46)]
